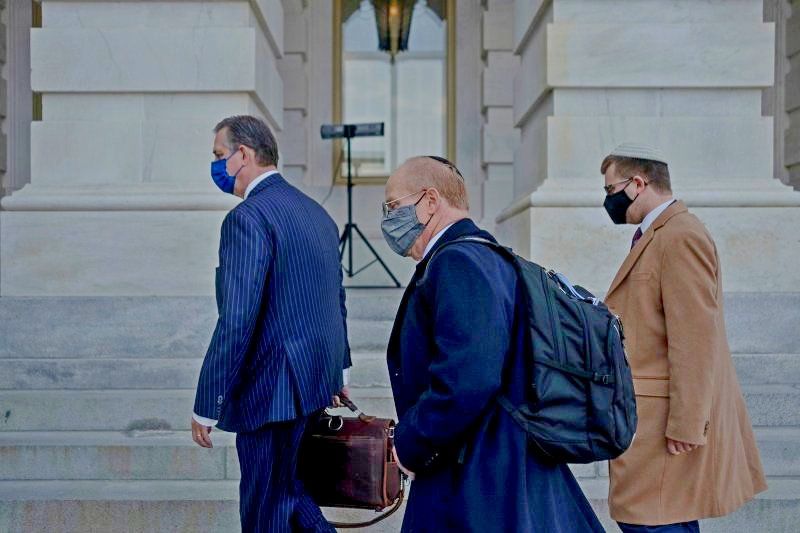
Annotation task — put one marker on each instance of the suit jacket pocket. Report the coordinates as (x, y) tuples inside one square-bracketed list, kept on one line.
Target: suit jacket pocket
[(218, 290), (641, 276)]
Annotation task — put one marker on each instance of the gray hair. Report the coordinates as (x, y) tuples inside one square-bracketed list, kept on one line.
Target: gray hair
[(246, 130)]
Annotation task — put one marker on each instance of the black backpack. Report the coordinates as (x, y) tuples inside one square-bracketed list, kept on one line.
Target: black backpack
[(581, 406)]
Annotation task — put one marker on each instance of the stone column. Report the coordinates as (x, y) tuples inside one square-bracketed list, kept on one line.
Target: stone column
[(293, 142), (685, 76), (16, 94), (792, 96), (120, 200), (500, 137), (3, 96)]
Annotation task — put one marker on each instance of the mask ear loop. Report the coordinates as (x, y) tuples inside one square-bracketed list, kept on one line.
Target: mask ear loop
[(637, 196), (240, 168), (417, 203)]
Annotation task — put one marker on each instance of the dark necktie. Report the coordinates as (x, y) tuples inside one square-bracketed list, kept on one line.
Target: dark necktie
[(636, 237)]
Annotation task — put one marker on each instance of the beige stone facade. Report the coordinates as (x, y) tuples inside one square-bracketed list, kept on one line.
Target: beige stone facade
[(108, 196)]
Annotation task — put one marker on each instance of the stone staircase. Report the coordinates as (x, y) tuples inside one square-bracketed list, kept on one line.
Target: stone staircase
[(96, 393)]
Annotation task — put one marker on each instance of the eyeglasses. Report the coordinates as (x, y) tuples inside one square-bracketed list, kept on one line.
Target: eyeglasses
[(610, 188), (387, 209)]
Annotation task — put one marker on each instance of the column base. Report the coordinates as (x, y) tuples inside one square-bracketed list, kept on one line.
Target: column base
[(108, 253), (756, 244)]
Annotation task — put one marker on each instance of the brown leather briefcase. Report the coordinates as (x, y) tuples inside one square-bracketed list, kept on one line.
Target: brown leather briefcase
[(348, 462)]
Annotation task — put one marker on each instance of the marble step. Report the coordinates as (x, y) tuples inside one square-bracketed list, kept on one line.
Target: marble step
[(211, 506), (119, 506), (126, 410), (128, 327), (103, 455), (138, 341), (369, 370), (373, 304), (120, 410), (147, 327)]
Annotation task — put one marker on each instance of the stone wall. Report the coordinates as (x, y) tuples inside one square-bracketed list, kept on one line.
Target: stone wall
[(690, 83), (120, 201), (3, 96), (293, 141), (308, 159), (792, 96), (500, 137), (15, 95)]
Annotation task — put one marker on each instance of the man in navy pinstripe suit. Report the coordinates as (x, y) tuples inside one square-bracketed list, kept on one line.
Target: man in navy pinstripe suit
[(280, 345)]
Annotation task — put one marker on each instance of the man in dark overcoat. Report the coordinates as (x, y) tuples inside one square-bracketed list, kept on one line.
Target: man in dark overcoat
[(458, 339)]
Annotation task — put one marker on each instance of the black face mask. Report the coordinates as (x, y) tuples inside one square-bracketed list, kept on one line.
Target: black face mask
[(617, 205)]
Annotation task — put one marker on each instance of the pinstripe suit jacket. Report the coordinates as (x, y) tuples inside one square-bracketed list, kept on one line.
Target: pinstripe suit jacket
[(280, 343)]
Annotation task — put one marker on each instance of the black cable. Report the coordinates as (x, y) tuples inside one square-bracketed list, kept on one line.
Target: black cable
[(333, 179)]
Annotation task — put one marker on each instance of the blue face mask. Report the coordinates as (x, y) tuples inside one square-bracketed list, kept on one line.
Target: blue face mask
[(401, 228), (219, 173)]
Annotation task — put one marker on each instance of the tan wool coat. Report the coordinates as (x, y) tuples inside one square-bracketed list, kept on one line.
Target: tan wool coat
[(668, 294)]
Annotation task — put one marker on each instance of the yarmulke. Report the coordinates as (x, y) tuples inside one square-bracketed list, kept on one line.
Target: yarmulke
[(639, 151)]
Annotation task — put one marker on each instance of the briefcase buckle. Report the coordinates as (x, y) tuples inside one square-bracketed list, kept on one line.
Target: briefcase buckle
[(335, 423)]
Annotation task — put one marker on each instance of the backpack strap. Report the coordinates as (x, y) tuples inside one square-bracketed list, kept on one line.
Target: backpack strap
[(502, 250)]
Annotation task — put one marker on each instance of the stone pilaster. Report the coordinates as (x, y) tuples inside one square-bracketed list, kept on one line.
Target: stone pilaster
[(3, 93), (293, 141), (499, 137), (120, 199), (792, 96), (16, 94), (686, 77)]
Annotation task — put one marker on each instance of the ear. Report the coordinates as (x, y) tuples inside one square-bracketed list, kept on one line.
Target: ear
[(434, 198), (640, 182), (247, 154)]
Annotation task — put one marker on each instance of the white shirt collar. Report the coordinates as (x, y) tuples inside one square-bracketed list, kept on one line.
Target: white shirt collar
[(258, 180), (435, 238), (654, 214)]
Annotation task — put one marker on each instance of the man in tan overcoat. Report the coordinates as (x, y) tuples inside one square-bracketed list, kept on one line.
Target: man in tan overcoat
[(694, 455)]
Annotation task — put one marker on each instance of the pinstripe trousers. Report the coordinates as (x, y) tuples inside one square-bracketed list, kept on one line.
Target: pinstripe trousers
[(271, 498)]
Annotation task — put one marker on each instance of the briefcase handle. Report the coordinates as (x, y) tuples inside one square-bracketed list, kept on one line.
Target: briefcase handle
[(347, 402)]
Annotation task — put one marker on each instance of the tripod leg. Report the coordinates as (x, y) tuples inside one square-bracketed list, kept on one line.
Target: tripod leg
[(377, 257), (343, 241)]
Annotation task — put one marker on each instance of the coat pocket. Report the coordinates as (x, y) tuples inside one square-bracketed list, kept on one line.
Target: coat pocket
[(218, 290), (641, 276)]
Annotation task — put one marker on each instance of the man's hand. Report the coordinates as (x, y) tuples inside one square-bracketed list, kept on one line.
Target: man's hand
[(337, 401), (200, 434), (676, 447), (403, 469)]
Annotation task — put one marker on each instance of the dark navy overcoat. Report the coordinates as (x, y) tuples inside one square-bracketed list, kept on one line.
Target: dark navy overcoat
[(457, 338)]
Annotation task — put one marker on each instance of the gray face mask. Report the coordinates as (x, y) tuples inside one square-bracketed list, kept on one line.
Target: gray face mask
[(401, 228)]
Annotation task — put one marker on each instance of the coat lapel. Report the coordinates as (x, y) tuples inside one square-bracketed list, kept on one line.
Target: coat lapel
[(676, 208)]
